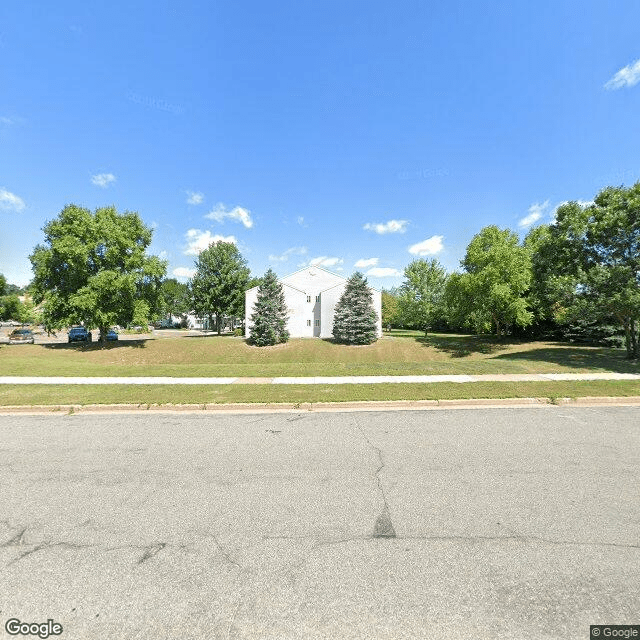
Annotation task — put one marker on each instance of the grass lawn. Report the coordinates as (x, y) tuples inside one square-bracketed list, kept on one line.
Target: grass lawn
[(401, 353), (57, 395)]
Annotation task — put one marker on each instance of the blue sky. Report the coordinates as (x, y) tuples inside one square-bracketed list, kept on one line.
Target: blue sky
[(347, 134)]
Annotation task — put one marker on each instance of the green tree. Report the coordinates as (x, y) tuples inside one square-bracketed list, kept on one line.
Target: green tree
[(598, 248), (492, 293), (10, 308), (218, 286), (93, 269), (390, 307), (422, 293), (176, 298), (269, 318), (355, 319)]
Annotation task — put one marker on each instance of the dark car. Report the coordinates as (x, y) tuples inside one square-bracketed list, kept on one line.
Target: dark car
[(79, 334), (21, 336)]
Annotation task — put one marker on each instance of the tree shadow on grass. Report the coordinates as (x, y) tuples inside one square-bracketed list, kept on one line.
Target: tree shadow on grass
[(462, 346), (208, 335), (140, 343), (596, 358)]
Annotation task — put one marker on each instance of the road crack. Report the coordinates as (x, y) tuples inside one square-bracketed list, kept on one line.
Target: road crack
[(383, 527)]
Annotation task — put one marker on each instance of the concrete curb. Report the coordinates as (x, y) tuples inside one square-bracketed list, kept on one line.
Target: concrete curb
[(324, 407)]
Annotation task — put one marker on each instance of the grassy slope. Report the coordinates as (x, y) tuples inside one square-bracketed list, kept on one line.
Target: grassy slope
[(208, 394), (403, 353)]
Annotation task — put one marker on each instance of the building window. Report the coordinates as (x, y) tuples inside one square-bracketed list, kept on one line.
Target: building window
[(317, 323), (308, 323), (308, 298), (317, 298)]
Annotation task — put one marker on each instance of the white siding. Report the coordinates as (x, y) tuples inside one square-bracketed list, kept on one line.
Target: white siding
[(312, 283)]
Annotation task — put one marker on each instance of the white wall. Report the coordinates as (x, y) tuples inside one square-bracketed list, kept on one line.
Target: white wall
[(310, 282)]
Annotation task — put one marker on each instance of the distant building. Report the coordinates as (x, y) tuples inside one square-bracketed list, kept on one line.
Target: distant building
[(311, 295)]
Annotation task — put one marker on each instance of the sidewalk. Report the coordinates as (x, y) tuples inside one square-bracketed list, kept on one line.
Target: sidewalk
[(525, 377)]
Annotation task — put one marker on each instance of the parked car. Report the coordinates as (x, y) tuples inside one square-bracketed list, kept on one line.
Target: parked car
[(112, 335), (79, 334), (21, 336)]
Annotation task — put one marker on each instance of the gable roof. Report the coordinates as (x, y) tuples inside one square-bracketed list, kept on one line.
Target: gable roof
[(312, 266), (335, 275)]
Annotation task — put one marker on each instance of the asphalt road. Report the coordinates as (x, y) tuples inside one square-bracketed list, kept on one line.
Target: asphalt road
[(470, 524)]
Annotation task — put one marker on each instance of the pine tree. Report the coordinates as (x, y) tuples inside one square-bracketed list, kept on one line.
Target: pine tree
[(355, 319), (269, 318)]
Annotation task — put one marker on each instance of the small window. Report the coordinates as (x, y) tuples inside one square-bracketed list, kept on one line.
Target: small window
[(317, 298), (308, 323), (317, 323), (308, 298)]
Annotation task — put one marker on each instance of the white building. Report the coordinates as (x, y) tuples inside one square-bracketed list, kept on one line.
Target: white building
[(311, 295)]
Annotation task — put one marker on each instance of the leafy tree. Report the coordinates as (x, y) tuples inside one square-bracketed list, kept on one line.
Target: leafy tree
[(176, 299), (10, 308), (421, 294), (269, 319), (93, 269), (598, 247), (14, 288), (492, 292), (3, 285), (218, 286), (355, 319), (390, 307)]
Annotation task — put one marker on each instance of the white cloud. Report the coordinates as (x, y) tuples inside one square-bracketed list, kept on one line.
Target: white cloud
[(103, 179), (184, 272), (10, 201), (383, 272), (628, 76), (428, 247), (300, 221), (198, 241), (536, 211), (324, 261), (369, 262), (239, 214), (195, 197), (392, 226), (283, 257)]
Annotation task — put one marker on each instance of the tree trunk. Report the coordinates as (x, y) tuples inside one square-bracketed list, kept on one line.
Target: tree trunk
[(635, 347), (627, 336), (219, 324), (497, 323)]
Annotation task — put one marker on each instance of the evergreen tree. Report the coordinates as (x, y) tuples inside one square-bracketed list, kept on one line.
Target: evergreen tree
[(355, 319), (269, 318)]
